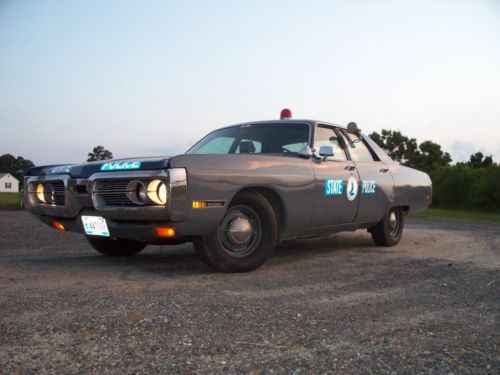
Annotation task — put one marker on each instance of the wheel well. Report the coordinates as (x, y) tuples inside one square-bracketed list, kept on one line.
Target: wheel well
[(274, 200), (405, 209)]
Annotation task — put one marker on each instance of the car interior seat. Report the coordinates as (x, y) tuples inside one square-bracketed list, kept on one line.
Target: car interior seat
[(246, 147)]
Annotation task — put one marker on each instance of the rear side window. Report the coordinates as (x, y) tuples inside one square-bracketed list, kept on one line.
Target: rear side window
[(357, 148)]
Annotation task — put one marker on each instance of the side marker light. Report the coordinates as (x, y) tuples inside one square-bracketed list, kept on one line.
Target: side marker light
[(58, 226), (165, 232), (199, 204)]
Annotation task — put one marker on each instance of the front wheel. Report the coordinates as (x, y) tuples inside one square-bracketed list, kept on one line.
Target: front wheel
[(115, 247), (388, 231), (244, 238)]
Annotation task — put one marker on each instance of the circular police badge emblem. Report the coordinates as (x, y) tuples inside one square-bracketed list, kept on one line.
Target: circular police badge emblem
[(352, 188)]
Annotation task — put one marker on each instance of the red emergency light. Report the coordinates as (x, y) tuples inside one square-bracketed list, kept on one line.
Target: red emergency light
[(285, 114)]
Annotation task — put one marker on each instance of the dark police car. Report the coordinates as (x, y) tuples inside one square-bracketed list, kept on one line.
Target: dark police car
[(235, 193)]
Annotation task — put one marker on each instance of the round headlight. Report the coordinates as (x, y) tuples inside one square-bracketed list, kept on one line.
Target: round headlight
[(39, 193), (157, 192), (49, 193), (136, 192), (141, 192)]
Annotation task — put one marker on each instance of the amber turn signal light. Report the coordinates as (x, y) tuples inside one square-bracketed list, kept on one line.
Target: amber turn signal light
[(58, 226), (199, 204), (165, 232)]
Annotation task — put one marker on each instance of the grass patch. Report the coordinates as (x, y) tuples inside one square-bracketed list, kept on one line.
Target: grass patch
[(10, 201), (438, 213)]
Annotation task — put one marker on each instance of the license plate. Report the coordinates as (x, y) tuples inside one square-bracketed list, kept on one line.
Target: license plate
[(95, 226)]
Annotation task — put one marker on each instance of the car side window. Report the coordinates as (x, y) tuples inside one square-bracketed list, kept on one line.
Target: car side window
[(357, 148), (294, 147), (326, 136), (219, 145), (278, 139)]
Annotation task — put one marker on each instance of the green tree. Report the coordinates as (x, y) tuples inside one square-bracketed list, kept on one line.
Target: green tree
[(463, 187), (426, 156), (478, 160), (429, 157), (99, 153), (398, 146), (15, 166)]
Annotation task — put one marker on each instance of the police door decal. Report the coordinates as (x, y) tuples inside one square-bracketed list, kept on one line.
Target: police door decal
[(368, 187), (334, 187), (352, 188)]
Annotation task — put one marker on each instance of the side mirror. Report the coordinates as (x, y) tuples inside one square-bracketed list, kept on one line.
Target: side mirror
[(325, 151), (352, 128), (305, 152)]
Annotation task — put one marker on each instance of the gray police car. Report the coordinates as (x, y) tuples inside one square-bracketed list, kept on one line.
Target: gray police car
[(235, 194)]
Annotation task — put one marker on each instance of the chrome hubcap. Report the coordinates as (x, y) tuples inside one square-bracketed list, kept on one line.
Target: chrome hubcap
[(392, 220), (393, 224), (239, 231)]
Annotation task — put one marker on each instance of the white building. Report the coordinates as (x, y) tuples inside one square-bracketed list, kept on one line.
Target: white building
[(8, 183)]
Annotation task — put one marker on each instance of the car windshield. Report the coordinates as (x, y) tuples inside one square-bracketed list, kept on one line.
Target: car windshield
[(255, 139)]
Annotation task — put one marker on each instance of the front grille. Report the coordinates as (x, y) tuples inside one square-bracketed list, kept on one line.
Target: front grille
[(115, 199), (119, 192), (111, 186)]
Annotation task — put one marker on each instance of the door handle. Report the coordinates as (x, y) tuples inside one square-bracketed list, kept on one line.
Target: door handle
[(350, 168), (384, 170)]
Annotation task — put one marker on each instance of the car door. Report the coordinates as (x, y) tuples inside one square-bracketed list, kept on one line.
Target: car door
[(336, 182), (376, 182)]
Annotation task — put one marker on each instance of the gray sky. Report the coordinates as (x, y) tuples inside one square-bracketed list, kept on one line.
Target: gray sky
[(152, 77)]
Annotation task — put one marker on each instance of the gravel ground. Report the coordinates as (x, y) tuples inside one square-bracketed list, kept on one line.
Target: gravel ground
[(336, 305)]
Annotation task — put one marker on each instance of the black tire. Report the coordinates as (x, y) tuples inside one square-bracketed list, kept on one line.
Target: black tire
[(389, 230), (244, 238), (115, 247), (201, 252)]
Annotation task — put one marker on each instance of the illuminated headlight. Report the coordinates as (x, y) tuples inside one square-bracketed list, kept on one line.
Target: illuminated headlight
[(39, 193), (157, 192), (45, 193), (141, 192)]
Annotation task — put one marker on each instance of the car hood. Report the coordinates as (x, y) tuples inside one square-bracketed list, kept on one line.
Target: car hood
[(85, 170)]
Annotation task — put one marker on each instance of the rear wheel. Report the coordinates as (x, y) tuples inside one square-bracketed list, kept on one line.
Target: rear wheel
[(115, 247), (389, 230), (244, 238)]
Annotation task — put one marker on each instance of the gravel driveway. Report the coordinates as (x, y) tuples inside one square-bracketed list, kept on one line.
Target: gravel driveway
[(335, 305)]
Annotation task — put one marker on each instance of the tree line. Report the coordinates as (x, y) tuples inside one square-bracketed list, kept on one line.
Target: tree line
[(473, 185)]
